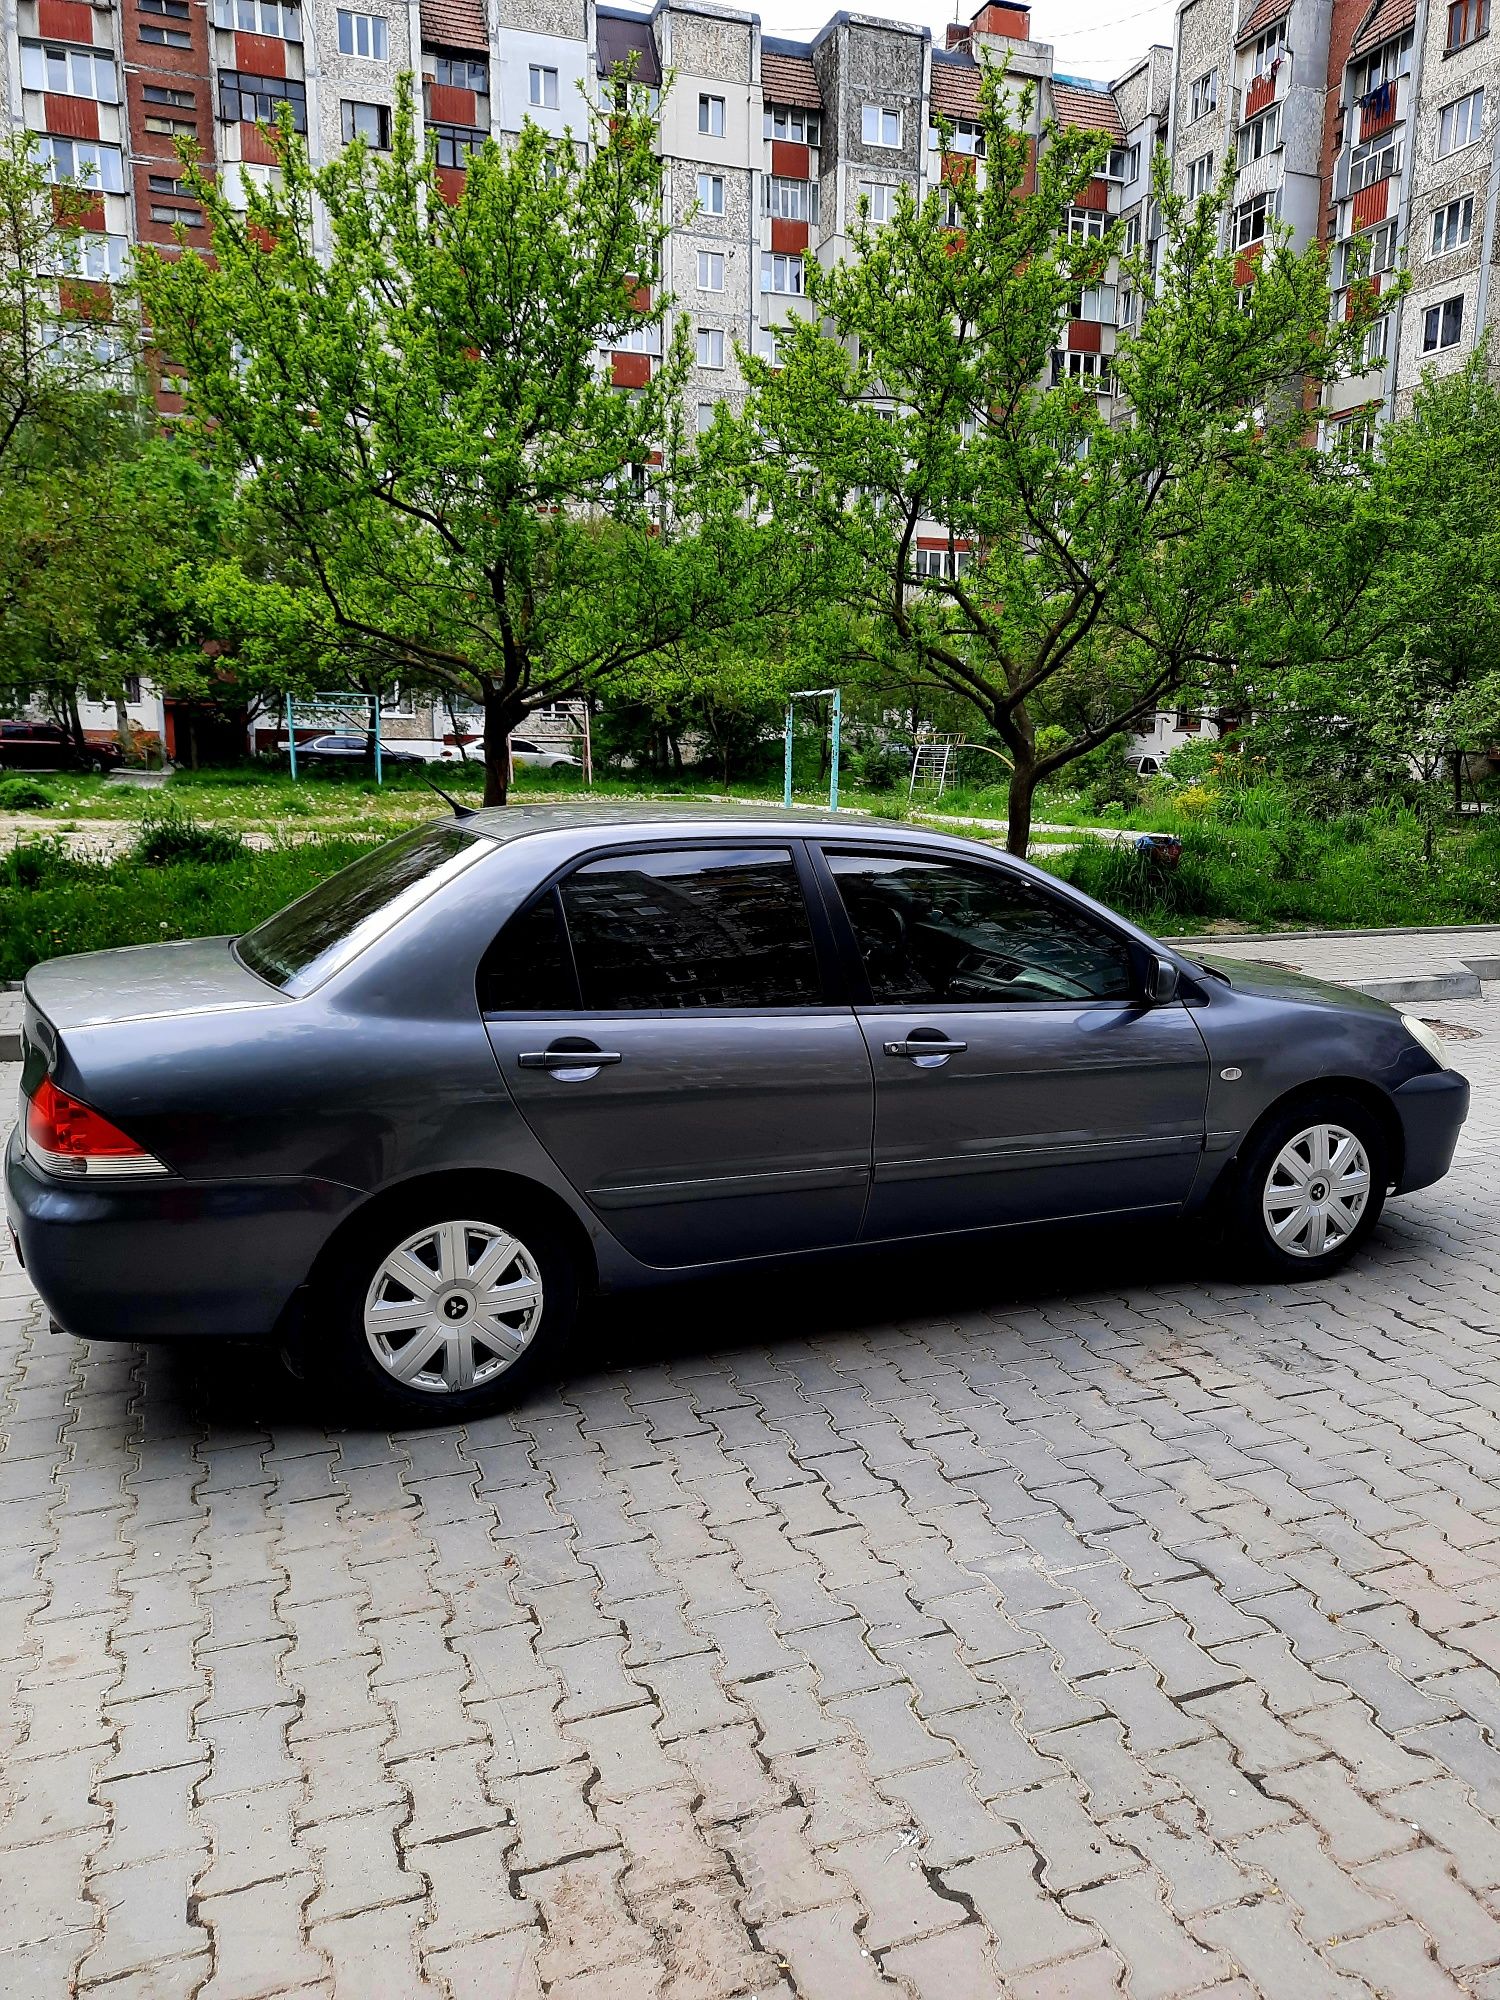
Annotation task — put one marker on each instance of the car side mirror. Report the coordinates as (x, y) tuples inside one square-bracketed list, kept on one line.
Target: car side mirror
[(1161, 982)]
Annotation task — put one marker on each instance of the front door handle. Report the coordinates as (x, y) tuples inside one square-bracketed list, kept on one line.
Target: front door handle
[(928, 1050), (569, 1062)]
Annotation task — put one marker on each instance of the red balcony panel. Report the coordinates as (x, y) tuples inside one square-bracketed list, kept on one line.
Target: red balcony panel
[(630, 371), (89, 214), (1012, 22), (1028, 178), (1360, 293), (85, 298), (1085, 336), (1371, 205), (1095, 194), (1248, 263), (72, 117), (1260, 93), (257, 148), (260, 55), (451, 184), (1378, 114), (958, 167), (449, 105), (791, 161), (640, 299), (65, 21), (788, 236)]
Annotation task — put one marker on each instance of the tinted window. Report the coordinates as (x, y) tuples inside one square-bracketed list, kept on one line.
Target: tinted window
[(718, 927), (944, 930), (529, 969), (301, 945)]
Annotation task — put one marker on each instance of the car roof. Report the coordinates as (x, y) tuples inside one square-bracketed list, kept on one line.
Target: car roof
[(631, 819)]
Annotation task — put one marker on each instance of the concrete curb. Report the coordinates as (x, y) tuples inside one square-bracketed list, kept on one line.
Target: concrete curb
[(1227, 939)]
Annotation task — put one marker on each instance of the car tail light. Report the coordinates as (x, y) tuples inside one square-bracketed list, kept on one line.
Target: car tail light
[(64, 1136)]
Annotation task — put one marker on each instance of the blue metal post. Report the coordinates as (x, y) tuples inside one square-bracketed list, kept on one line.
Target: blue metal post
[(833, 778), (786, 791), (291, 735), (375, 704)]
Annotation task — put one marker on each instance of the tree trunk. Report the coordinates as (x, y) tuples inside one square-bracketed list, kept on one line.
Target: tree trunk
[(75, 724), (1018, 816), (501, 714), (122, 723)]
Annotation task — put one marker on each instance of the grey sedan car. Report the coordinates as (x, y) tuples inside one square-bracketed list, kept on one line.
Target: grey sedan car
[(518, 1056)]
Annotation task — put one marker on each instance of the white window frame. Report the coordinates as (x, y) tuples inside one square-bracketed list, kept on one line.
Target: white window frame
[(96, 164), (881, 197), (711, 116), (1461, 123), (704, 416), (1270, 47), (367, 36), (791, 122), (787, 267), (63, 71), (710, 347), (1433, 321), (1452, 226), (711, 193), (876, 121), (1260, 136), (1204, 95), (542, 87), (1090, 371), (1376, 160), (1200, 176), (1086, 225), (276, 18), (1377, 342), (789, 200), (710, 270), (1243, 217)]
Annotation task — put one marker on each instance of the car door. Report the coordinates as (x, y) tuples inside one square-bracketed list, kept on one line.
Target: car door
[(668, 1022), (1019, 1074)]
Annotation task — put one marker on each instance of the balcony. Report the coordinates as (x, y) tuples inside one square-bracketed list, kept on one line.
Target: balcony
[(1377, 110), (1272, 84)]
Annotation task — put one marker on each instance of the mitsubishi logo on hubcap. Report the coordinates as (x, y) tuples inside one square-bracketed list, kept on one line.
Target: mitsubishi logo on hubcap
[(457, 1307), (1319, 1191)]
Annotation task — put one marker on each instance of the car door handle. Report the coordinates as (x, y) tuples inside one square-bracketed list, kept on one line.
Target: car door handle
[(568, 1058), (925, 1047)]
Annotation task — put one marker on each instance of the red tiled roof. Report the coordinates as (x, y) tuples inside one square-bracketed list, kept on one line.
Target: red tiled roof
[(1087, 110), (789, 80), (1385, 18), (455, 24), (1264, 14), (955, 88)]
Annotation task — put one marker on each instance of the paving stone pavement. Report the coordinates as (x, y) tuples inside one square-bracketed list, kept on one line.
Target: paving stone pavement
[(1046, 1624)]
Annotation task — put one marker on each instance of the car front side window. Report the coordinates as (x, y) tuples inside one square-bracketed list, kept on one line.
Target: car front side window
[(932, 930), (689, 928)]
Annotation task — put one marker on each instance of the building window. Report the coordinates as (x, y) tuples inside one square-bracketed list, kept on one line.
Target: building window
[(705, 416), (966, 136), (69, 72), (260, 17), (1124, 163), (790, 201), (1268, 49), (251, 98), (1467, 21), (1442, 326), (370, 122), (1376, 343), (156, 93), (363, 35), (1453, 226), (710, 270), (171, 214), (169, 128), (1086, 225), (1248, 224), (710, 347), (1261, 136), (879, 198), (86, 161), (1132, 241), (1375, 161), (100, 257), (636, 340), (788, 121), (780, 274), (1088, 371), (177, 9), (711, 116), (462, 73), (711, 193), (541, 86), (1204, 96), (457, 144), (1459, 123), (1391, 61), (1200, 175), (167, 38), (880, 125)]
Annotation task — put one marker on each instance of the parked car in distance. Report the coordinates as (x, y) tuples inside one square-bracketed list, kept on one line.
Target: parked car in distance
[(352, 747), (42, 746), (525, 754), (523, 1054)]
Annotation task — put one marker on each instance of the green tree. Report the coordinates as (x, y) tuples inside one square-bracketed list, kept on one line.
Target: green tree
[(412, 392), (1107, 563)]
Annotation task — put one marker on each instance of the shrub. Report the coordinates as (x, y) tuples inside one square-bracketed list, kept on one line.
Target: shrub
[(24, 795), (168, 835)]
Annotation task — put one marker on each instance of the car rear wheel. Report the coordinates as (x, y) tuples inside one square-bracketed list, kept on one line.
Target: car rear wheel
[(1311, 1187), (447, 1312)]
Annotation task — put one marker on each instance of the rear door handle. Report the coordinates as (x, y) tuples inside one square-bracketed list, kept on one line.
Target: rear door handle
[(925, 1047), (568, 1059)]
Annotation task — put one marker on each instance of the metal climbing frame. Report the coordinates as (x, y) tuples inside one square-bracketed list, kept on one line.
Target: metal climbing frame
[(935, 761), (364, 709), (814, 694)]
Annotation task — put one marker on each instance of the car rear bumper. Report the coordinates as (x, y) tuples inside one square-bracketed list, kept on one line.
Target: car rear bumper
[(1432, 1110), (168, 1260)]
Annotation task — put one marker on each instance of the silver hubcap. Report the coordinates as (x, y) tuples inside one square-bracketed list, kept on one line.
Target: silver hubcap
[(1316, 1191), (453, 1307)]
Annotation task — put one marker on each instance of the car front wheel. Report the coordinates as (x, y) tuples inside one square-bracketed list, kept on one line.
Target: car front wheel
[(1311, 1187), (445, 1313)]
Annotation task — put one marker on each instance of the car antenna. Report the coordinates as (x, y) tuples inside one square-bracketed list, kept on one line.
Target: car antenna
[(459, 811)]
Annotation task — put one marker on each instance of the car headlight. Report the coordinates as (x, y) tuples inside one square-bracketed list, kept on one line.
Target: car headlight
[(1428, 1037)]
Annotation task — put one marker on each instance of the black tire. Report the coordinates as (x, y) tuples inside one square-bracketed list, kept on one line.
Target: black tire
[(1263, 1171), (335, 1351)]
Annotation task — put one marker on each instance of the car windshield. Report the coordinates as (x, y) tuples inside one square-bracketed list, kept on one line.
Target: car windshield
[(308, 941)]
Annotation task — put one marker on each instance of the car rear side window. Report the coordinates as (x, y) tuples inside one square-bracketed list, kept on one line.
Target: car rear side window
[(305, 943), (935, 930), (707, 927), (529, 967)]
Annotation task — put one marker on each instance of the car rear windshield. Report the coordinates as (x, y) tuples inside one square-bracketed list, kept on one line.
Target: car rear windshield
[(308, 941)]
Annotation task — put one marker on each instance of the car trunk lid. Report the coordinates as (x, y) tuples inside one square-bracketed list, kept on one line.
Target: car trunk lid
[(98, 989)]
